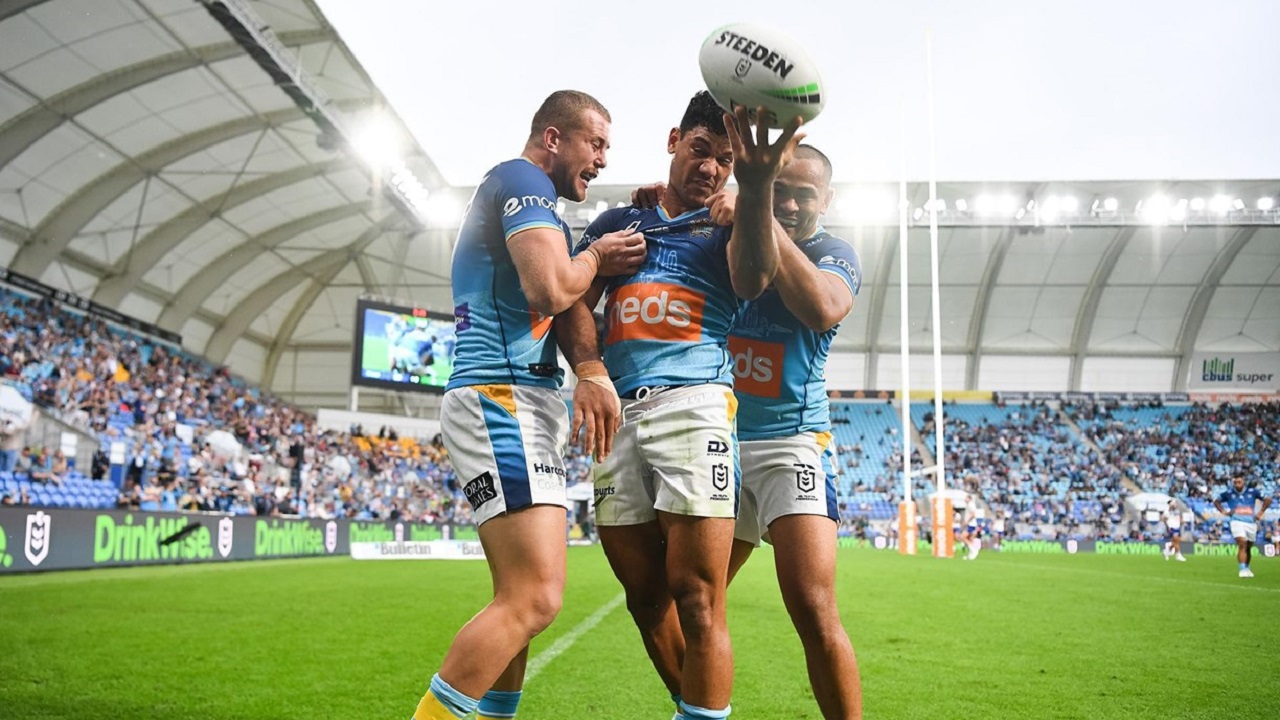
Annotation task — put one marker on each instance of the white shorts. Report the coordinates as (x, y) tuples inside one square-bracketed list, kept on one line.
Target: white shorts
[(507, 446), (676, 452), (1246, 530), (785, 476)]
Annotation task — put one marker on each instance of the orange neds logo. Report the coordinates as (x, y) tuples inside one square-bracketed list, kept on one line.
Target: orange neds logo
[(757, 366), (655, 311)]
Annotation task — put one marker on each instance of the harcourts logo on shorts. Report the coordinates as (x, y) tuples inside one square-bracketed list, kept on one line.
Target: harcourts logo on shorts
[(514, 205), (655, 311), (757, 366), (554, 482)]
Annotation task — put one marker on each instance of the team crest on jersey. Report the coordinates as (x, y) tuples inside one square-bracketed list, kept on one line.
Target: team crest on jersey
[(806, 478), (720, 476)]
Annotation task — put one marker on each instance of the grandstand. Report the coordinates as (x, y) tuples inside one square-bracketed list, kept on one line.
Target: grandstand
[(186, 236)]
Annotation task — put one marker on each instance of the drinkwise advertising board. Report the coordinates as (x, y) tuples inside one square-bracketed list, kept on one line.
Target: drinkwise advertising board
[(35, 539)]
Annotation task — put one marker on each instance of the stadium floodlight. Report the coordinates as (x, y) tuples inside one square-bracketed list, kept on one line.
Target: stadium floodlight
[(560, 208), (1266, 203), (937, 204), (1178, 212), (1049, 208), (1155, 210), (1008, 205), (865, 206), (1111, 204), (1237, 204), (1220, 204), (919, 213), (1069, 204), (443, 211), (1197, 204), (984, 204), (962, 205), (377, 142), (601, 206)]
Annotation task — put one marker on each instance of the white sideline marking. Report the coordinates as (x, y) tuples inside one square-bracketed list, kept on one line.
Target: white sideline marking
[(1147, 577), (564, 642)]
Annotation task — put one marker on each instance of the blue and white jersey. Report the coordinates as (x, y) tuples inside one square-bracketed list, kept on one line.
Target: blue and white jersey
[(500, 339), (668, 324), (778, 362), (1240, 504)]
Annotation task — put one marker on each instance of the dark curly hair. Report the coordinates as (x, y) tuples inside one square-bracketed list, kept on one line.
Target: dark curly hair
[(703, 112)]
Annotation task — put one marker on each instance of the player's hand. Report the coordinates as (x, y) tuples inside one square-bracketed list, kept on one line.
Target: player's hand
[(648, 196), (756, 162), (721, 205), (620, 253), (597, 413)]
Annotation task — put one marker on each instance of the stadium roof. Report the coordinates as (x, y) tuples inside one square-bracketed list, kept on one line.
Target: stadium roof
[(199, 165)]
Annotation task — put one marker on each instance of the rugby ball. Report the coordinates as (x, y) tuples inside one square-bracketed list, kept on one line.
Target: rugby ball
[(751, 65)]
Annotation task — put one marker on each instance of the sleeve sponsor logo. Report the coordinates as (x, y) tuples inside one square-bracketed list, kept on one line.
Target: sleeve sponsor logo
[(757, 366), (514, 205), (462, 317), (844, 265), (655, 311)]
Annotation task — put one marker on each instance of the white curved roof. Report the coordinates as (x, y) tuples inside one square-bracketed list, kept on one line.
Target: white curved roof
[(157, 158)]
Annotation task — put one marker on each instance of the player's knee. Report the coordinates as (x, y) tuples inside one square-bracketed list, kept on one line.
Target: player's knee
[(647, 608), (696, 605), (537, 609), (813, 610)]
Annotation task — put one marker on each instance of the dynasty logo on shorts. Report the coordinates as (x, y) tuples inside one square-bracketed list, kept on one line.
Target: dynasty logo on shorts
[(718, 447), (757, 366), (480, 490), (655, 311)]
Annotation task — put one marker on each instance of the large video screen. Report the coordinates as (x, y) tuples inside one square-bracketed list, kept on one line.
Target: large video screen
[(402, 348)]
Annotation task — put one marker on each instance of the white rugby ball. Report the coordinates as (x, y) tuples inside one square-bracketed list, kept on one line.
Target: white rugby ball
[(751, 65)]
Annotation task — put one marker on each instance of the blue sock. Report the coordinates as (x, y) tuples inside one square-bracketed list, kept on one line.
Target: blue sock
[(1244, 565), (498, 704), (693, 712), (454, 701), (675, 698)]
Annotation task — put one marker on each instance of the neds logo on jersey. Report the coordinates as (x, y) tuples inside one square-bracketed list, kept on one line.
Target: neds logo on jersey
[(655, 311), (757, 366)]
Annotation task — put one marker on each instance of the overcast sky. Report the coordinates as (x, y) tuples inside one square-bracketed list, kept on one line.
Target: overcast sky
[(1024, 89)]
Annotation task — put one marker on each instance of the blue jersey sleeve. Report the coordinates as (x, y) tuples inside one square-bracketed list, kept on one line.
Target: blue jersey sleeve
[(840, 259), (526, 198)]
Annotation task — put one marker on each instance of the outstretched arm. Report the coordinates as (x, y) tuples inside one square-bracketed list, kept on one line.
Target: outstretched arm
[(753, 244)]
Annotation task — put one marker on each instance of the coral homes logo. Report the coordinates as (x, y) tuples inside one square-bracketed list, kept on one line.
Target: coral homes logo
[(655, 311)]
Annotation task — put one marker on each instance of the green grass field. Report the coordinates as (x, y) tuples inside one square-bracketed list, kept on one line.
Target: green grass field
[(1008, 636)]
